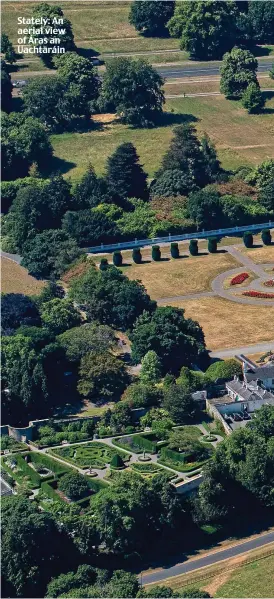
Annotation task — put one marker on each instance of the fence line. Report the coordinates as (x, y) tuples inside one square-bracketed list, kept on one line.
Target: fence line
[(158, 240)]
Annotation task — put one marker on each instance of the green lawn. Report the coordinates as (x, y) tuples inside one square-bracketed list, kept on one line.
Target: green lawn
[(94, 455), (240, 138), (252, 580)]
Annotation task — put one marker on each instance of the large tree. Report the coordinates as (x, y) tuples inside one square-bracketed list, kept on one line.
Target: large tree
[(33, 550), (109, 296), (24, 141), (179, 404), (59, 315), (134, 88), (6, 88), (90, 337), (37, 207), (261, 21), (7, 49), (207, 29), (49, 254), (178, 341), (101, 376), (51, 12), (150, 18), (78, 71), (90, 191), (125, 175), (90, 227), (205, 208), (73, 485), (237, 72)]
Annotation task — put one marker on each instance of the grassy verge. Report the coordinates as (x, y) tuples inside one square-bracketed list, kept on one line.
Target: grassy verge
[(15, 279)]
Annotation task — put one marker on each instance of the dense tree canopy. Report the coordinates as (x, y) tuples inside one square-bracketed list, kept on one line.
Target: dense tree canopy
[(109, 296), (73, 485), (78, 71), (16, 310), (205, 208), (176, 340), (90, 337), (7, 49), (24, 141), (134, 88), (125, 176), (207, 29), (90, 227), (6, 88), (261, 21), (59, 315), (102, 376), (150, 18), (51, 12), (49, 254)]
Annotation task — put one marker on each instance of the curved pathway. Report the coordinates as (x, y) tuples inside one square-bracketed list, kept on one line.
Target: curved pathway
[(14, 257)]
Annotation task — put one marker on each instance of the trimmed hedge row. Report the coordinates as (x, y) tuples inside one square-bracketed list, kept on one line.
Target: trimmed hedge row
[(172, 455)]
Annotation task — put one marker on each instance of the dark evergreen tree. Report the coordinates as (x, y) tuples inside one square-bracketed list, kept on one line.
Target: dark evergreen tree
[(150, 18), (185, 154), (174, 250), (117, 259), (212, 245), (125, 175), (193, 247), (137, 256), (266, 196), (90, 191), (156, 253), (248, 239)]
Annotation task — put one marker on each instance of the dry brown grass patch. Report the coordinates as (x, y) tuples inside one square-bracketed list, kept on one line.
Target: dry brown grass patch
[(227, 324), (262, 255), (15, 279), (180, 277)]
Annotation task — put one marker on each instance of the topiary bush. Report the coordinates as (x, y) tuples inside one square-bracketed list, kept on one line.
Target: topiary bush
[(117, 258), (248, 239), (103, 264), (212, 245), (137, 256), (156, 253), (73, 485), (193, 247), (117, 462), (174, 250), (266, 237)]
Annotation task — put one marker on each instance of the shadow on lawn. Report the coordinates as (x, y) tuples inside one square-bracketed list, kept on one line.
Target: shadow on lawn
[(174, 118), (58, 165)]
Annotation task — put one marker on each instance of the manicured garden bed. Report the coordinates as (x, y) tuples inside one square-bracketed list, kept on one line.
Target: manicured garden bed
[(259, 294), (94, 455), (238, 279)]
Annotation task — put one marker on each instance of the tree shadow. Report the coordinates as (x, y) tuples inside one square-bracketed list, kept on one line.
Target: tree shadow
[(174, 118), (58, 165), (260, 51), (91, 54), (257, 245), (17, 104)]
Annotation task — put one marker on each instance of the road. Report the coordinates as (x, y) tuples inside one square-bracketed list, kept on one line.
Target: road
[(181, 71), (208, 560), (247, 349)]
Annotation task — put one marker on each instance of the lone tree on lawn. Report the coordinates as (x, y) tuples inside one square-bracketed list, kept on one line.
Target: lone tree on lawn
[(117, 462), (150, 18), (237, 72), (134, 88), (253, 99), (156, 253), (193, 247), (266, 237), (137, 256), (248, 239)]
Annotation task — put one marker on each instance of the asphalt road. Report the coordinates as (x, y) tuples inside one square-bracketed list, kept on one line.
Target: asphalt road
[(207, 560), (247, 349), (178, 72)]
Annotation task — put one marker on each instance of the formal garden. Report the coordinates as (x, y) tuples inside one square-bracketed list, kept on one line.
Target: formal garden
[(89, 455), (9, 444), (55, 433)]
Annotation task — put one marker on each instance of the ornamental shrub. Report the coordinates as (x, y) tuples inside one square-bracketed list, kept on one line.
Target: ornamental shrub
[(117, 462), (266, 237), (253, 99), (269, 283), (248, 239), (174, 250), (193, 247), (212, 245), (156, 253), (137, 256), (103, 264), (117, 258)]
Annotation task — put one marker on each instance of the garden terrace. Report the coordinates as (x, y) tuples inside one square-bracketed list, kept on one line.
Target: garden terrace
[(94, 455), (31, 469), (57, 432), (10, 444)]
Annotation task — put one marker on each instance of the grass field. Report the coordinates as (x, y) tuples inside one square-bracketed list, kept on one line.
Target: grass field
[(15, 279), (227, 123), (250, 580), (262, 255), (180, 277), (227, 324)]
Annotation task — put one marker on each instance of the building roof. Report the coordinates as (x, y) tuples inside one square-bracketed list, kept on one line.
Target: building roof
[(262, 372)]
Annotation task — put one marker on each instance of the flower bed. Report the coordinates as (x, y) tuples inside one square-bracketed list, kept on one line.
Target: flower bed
[(269, 283), (238, 279), (259, 294)]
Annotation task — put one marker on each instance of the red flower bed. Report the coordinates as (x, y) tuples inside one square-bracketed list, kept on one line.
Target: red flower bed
[(239, 278), (269, 283), (260, 294)]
